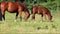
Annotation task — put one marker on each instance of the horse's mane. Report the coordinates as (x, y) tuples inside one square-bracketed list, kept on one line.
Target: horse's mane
[(22, 5)]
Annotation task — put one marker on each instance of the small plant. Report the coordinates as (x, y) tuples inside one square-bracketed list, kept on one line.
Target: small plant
[(46, 27), (38, 28), (53, 26)]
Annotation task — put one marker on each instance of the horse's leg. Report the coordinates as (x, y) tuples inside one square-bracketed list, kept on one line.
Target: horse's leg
[(20, 16), (3, 14), (20, 13), (0, 16), (44, 16), (27, 15), (3, 17), (16, 16), (33, 16)]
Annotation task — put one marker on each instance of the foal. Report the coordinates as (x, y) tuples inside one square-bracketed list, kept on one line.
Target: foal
[(41, 10)]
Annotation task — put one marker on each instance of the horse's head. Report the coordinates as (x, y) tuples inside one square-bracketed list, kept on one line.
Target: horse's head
[(51, 18)]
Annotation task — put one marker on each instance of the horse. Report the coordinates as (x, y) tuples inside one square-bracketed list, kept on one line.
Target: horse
[(41, 10), (14, 7)]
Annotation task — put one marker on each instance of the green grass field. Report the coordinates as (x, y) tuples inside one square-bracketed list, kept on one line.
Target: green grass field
[(30, 27)]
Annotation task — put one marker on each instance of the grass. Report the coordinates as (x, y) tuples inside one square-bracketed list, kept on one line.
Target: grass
[(30, 27)]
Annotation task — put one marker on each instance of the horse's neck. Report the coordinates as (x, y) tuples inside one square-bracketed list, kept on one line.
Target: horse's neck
[(22, 5)]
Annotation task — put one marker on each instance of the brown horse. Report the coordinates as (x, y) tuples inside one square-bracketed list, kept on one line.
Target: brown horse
[(14, 7), (41, 10)]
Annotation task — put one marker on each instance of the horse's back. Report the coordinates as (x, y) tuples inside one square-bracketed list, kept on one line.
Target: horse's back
[(12, 6), (40, 10), (43, 10)]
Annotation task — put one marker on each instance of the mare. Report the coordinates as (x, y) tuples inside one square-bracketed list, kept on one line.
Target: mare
[(14, 7)]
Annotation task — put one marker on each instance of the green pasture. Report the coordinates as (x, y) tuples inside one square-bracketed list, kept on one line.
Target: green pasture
[(30, 27), (9, 26)]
